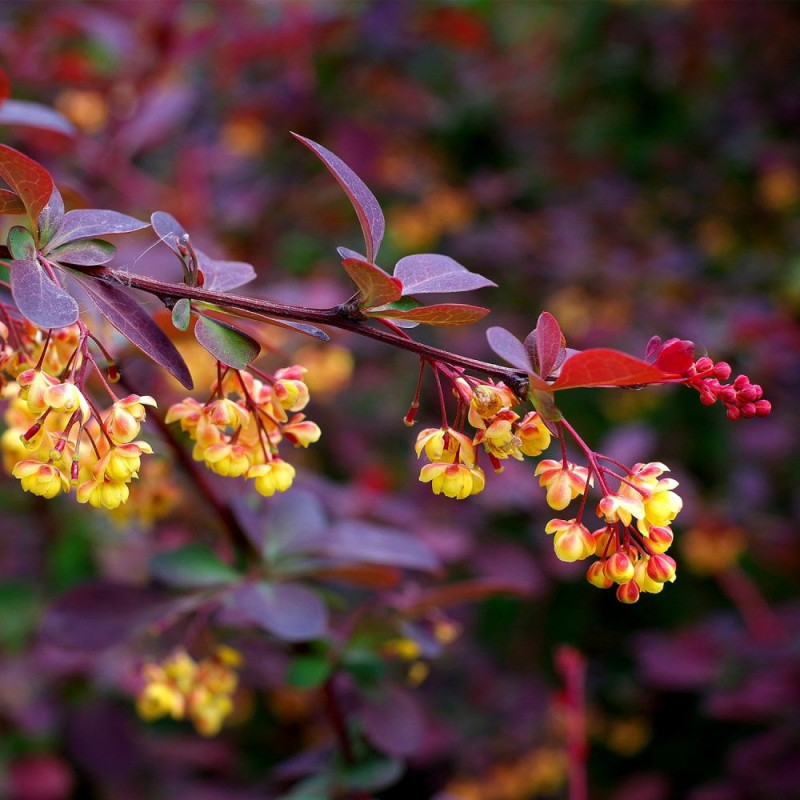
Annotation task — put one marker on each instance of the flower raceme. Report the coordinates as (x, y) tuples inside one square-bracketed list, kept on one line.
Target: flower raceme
[(238, 432), (182, 688)]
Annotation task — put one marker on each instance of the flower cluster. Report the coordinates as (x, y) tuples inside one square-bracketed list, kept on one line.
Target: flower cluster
[(499, 430), (238, 431), (55, 437), (183, 688), (631, 546)]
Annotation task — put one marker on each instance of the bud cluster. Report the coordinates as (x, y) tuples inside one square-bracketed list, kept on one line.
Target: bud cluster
[(182, 688), (238, 431), (631, 546)]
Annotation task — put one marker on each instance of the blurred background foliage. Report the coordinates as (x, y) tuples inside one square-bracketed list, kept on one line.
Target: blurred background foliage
[(631, 167)]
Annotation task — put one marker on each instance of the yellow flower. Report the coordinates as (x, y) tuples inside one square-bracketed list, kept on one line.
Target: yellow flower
[(231, 460), (158, 700), (274, 476), (620, 508), (124, 420), (564, 481), (122, 462), (572, 540), (533, 434), (301, 432), (103, 493), (46, 480), (453, 480)]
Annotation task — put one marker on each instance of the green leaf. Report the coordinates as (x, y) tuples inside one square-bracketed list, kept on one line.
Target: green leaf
[(227, 344), (308, 672), (21, 244), (193, 566), (182, 314), (372, 774)]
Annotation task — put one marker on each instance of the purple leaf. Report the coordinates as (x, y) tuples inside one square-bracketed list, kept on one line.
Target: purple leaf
[(431, 272), (362, 542), (295, 523), (85, 253), (393, 721), (99, 615), (35, 115), (29, 179), (50, 217), (222, 276), (39, 298), (366, 206), (168, 229), (290, 611), (88, 223), (135, 324), (227, 344), (509, 348), (546, 345), (182, 314)]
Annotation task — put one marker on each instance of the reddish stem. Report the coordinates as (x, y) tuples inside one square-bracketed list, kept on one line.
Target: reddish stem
[(572, 668)]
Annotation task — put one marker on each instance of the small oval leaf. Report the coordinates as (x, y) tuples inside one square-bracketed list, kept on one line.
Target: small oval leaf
[(21, 244), (222, 276), (182, 314), (85, 253), (193, 566), (227, 344), (39, 299), (50, 217), (393, 721)]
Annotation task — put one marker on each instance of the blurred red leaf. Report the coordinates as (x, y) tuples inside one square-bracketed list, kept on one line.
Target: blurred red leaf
[(548, 344), (464, 592)]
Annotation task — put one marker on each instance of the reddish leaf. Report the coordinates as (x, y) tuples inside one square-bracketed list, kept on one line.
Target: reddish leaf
[(674, 355), (30, 180), (227, 344), (5, 86), (441, 314), (290, 611), (464, 592), (39, 298), (99, 615), (394, 721), (88, 223), (366, 206), (376, 286), (35, 115), (431, 272), (361, 541), (370, 576), (85, 253), (548, 344), (135, 324), (605, 367), (11, 203)]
